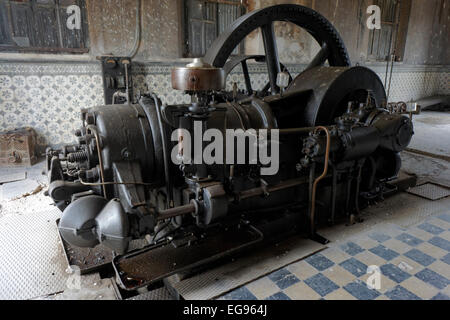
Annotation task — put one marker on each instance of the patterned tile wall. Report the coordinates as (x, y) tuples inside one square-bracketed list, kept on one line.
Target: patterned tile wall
[(411, 86), (48, 96)]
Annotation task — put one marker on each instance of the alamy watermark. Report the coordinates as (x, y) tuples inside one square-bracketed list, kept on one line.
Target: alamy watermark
[(237, 147), (374, 20), (374, 280), (74, 20)]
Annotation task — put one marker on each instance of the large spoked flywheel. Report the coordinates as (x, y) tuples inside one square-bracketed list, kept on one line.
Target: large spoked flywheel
[(332, 46)]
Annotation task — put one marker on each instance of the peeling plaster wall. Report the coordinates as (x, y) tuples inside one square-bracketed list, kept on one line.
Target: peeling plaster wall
[(428, 40), (112, 28), (112, 25), (349, 18), (295, 45), (162, 30)]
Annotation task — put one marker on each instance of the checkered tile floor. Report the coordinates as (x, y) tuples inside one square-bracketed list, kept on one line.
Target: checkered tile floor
[(413, 264)]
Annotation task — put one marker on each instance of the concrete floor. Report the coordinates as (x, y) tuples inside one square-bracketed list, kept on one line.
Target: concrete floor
[(432, 130), (406, 236)]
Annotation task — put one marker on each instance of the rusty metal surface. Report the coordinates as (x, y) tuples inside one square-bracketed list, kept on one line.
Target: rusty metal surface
[(17, 148), (154, 263)]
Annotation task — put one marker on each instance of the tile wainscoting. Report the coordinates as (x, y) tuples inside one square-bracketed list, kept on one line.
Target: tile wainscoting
[(49, 95)]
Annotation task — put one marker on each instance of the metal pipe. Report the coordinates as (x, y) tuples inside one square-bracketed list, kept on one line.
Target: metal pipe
[(119, 94), (296, 131), (333, 194), (324, 173), (116, 183), (191, 208), (100, 157), (394, 37), (390, 77), (348, 192), (126, 63), (175, 212), (281, 186), (358, 185), (312, 172), (303, 130)]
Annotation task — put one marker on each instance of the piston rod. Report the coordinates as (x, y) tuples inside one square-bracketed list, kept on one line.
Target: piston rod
[(191, 208)]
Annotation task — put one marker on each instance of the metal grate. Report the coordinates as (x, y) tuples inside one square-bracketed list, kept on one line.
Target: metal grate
[(430, 191), (31, 259)]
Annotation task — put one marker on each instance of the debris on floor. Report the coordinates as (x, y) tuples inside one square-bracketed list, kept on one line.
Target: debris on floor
[(19, 189), (102, 289), (24, 196), (37, 202)]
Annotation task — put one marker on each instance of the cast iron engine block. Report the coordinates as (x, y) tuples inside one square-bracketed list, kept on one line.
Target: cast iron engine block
[(338, 147)]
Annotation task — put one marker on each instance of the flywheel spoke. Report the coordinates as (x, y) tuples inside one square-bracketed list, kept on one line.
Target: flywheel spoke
[(248, 83), (320, 57), (272, 60)]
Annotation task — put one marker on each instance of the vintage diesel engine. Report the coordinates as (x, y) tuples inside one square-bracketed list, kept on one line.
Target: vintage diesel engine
[(140, 169)]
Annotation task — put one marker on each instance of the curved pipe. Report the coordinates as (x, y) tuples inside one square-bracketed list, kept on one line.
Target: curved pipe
[(324, 173)]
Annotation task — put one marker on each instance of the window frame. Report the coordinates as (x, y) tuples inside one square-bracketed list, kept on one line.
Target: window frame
[(34, 5), (399, 31), (186, 19)]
